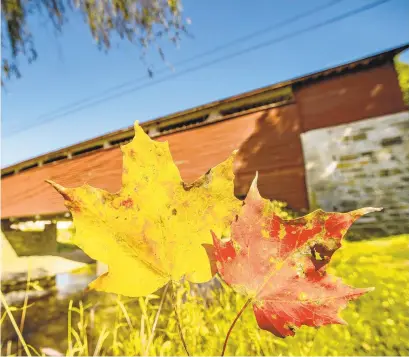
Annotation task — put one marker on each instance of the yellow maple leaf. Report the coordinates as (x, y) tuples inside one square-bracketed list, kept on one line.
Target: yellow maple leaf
[(152, 230)]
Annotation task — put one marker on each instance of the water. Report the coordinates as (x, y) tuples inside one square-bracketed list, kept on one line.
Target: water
[(73, 282), (46, 318)]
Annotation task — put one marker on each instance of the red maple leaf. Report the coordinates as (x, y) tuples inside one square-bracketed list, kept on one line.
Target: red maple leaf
[(280, 265)]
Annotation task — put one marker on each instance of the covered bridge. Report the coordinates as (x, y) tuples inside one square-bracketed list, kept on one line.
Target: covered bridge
[(266, 125)]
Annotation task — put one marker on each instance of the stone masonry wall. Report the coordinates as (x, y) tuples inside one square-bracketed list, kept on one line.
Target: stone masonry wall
[(362, 164)]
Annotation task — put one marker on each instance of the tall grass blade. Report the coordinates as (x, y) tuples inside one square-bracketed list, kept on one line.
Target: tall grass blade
[(156, 320), (13, 322)]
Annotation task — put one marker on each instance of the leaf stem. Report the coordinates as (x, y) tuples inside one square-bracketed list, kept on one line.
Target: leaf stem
[(233, 323), (174, 304), (156, 319)]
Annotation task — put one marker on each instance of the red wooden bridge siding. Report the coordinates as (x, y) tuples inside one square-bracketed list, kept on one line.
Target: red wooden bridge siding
[(269, 142), (351, 97)]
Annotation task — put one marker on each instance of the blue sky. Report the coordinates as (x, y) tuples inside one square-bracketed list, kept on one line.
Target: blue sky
[(70, 67)]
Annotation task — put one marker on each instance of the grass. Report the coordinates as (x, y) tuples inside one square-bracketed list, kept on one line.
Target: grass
[(377, 322)]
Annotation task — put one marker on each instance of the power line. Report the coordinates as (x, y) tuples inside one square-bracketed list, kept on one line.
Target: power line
[(198, 56), (212, 62)]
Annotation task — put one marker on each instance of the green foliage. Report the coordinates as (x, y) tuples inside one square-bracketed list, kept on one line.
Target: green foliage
[(139, 21), (280, 209), (402, 69), (378, 322)]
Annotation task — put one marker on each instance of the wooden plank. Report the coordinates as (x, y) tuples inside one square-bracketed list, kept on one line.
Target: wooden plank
[(26, 194), (287, 184), (268, 141), (352, 97), (274, 143)]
